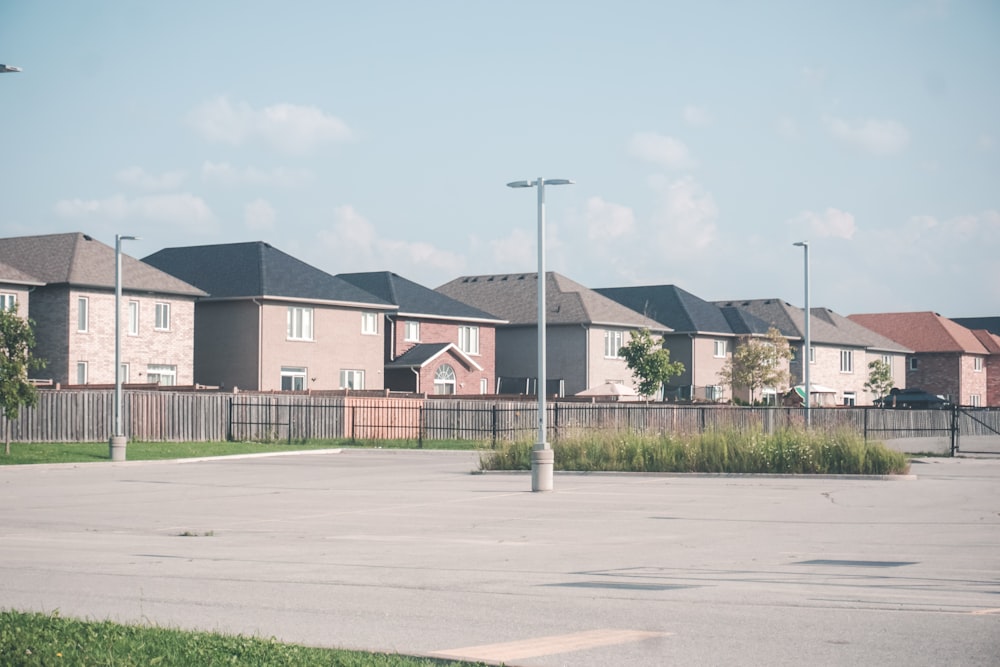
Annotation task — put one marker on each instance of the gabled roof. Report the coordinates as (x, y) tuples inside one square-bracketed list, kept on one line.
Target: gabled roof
[(991, 324), (422, 354), (514, 297), (414, 299), (790, 321), (990, 340), (257, 270), (922, 331), (81, 261), (871, 339), (682, 311)]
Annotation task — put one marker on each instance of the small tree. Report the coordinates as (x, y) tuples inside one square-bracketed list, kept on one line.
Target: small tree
[(649, 362), (879, 378), (17, 339), (757, 363)]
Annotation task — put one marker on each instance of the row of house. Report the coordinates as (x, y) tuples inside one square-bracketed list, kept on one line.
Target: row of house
[(249, 316)]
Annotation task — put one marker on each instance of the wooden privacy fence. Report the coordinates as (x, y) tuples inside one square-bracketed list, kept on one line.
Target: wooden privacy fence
[(160, 416)]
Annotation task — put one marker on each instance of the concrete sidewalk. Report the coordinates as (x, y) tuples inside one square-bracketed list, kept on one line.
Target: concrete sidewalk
[(407, 551)]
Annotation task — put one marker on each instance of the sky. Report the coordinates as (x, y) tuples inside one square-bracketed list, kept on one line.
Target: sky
[(704, 139)]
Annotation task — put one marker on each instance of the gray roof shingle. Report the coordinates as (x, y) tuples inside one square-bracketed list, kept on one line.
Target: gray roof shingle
[(682, 311), (257, 269), (79, 260), (514, 297), (415, 299)]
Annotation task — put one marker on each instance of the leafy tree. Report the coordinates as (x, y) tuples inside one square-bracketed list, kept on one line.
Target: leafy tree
[(17, 339), (757, 363), (879, 378), (649, 362)]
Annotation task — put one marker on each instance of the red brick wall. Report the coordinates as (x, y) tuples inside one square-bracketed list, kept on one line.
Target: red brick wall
[(436, 331)]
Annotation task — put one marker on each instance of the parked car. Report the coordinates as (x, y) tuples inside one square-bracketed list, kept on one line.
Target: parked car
[(912, 399)]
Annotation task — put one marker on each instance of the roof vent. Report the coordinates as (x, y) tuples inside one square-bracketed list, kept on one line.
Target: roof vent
[(505, 278), (490, 279), (520, 277), (86, 237)]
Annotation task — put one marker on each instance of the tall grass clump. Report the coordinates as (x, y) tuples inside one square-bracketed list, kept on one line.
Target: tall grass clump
[(789, 451)]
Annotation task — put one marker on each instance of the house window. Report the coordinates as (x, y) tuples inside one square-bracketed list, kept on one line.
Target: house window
[(123, 373), (850, 398), (612, 344), (133, 318), (444, 380), (468, 340), (720, 349), (974, 401), (847, 361), (162, 317), (293, 378), (713, 392), (412, 331), (352, 379), (82, 316), (369, 324), (914, 363), (300, 323), (81, 372), (812, 354), (8, 302), (162, 374), (484, 386), (977, 364)]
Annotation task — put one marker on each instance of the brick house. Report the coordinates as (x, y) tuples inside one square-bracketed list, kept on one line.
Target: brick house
[(433, 344), (272, 322), (72, 301), (584, 331), (947, 358)]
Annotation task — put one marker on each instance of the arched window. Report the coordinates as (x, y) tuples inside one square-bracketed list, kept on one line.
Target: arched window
[(444, 380)]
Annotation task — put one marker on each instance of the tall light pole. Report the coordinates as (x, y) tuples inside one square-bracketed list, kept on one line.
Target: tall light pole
[(118, 439), (808, 343), (542, 458)]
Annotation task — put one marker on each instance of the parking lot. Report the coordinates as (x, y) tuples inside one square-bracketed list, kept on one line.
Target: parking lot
[(408, 551)]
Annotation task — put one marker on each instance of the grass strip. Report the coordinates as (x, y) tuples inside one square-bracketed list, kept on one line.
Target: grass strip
[(790, 451), (29, 639)]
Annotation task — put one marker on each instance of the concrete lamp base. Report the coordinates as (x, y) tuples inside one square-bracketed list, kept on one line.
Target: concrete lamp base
[(117, 447), (542, 461)]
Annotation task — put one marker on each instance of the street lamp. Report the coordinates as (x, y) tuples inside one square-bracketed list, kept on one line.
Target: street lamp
[(118, 440), (808, 344), (542, 458)]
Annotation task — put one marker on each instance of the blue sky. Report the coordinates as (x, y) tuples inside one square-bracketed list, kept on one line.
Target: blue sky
[(704, 138)]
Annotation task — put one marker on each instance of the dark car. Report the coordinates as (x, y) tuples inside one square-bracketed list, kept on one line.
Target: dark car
[(913, 399)]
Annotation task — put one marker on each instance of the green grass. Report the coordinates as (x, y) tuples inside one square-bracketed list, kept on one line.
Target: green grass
[(29, 639), (785, 452)]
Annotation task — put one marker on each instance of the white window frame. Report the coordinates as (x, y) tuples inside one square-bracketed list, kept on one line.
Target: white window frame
[(850, 398), (812, 354), (369, 324), (468, 339), (975, 401), (162, 322), (82, 372), (445, 380), (123, 370), (484, 386), (411, 331), (914, 363), (614, 341), (300, 323), (352, 377), (82, 314), (847, 361), (713, 392), (133, 318), (720, 349), (165, 374), (8, 301), (977, 364), (296, 375)]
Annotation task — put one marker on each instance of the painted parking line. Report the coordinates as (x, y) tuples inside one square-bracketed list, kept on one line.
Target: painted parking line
[(531, 648), (985, 612)]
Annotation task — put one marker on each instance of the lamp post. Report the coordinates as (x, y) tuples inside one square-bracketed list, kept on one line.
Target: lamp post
[(808, 343), (542, 458), (118, 439)]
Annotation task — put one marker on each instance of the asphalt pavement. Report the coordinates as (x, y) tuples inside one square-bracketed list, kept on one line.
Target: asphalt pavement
[(409, 551)]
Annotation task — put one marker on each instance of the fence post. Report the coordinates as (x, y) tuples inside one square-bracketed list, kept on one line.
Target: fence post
[(289, 422), (494, 425), (229, 428), (954, 430), (420, 426), (555, 421), (865, 434), (354, 423)]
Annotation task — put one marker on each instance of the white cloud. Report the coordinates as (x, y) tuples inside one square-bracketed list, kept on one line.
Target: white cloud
[(226, 174), (358, 247), (288, 128), (830, 223), (138, 177), (517, 249), (660, 149), (878, 137), (696, 116), (606, 220), (685, 218), (182, 209), (259, 214)]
